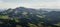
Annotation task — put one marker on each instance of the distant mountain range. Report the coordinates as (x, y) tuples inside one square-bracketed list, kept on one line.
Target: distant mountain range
[(30, 9), (2, 10)]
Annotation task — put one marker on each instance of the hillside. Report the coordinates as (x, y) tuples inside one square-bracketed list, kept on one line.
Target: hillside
[(28, 17)]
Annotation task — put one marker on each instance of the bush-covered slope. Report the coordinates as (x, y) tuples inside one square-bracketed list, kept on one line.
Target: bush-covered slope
[(28, 17)]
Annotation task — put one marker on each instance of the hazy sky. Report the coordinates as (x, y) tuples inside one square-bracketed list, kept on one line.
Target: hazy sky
[(30, 3)]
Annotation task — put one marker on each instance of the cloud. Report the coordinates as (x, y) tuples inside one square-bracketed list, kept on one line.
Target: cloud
[(30, 3), (42, 5), (8, 5)]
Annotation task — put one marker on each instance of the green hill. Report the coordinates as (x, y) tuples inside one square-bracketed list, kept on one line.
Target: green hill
[(28, 17)]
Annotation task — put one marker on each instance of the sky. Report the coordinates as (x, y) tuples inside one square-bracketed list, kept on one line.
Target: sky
[(30, 3)]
